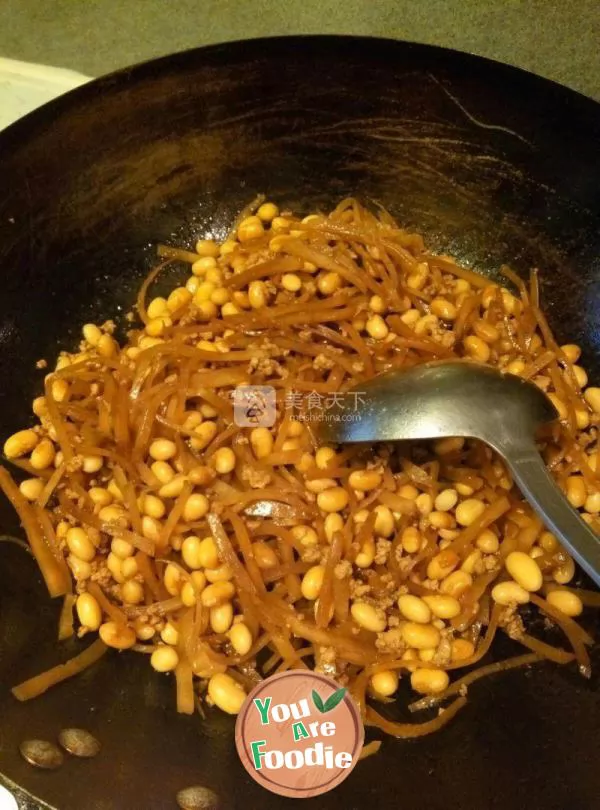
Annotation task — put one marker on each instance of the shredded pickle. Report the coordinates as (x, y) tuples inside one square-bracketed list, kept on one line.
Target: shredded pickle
[(178, 517)]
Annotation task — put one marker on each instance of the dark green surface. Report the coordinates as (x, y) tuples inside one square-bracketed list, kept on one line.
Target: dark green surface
[(554, 38)]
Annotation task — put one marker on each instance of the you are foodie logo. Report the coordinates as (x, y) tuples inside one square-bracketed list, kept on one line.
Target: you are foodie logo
[(299, 734)]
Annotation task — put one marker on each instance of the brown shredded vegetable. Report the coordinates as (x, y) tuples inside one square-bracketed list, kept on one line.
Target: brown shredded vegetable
[(483, 672), (370, 748), (41, 683), (407, 731), (65, 623), (217, 540)]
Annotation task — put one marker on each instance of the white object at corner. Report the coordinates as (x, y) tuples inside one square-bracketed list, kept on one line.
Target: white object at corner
[(25, 86), (7, 800)]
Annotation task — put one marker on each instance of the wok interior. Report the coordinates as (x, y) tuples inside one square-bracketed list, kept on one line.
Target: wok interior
[(490, 164)]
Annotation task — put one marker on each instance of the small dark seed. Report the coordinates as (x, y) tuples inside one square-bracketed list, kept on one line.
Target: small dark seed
[(197, 798), (79, 742), (42, 754)]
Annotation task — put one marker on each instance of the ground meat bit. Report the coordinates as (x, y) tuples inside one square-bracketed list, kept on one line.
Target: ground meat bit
[(343, 679), (394, 621), (267, 366), (479, 567), (358, 589), (311, 554), (190, 317), (343, 569), (327, 654), (358, 367), (144, 618), (256, 478), (41, 363), (75, 464), (490, 562), (380, 601), (254, 258), (45, 425), (512, 622), (321, 361), (387, 601), (443, 654), (431, 584), (102, 576), (448, 339), (329, 670), (113, 591), (382, 551), (390, 641), (405, 565), (463, 690), (218, 508), (154, 611), (282, 371), (269, 347), (255, 363), (326, 662)]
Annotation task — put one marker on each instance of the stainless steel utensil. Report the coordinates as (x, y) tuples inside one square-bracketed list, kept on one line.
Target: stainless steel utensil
[(438, 400)]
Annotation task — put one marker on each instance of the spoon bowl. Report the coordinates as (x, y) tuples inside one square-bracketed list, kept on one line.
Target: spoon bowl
[(447, 399), (435, 400)]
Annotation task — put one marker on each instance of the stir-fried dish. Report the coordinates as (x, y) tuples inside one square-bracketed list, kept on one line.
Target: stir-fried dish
[(184, 515)]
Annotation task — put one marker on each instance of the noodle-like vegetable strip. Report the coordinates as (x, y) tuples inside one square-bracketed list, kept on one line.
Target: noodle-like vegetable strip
[(576, 635), (55, 575), (546, 650), (41, 683), (185, 688), (370, 749), (408, 731), (65, 621), (107, 606), (462, 683)]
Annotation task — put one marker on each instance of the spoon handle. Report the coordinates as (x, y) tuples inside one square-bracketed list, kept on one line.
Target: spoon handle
[(546, 497)]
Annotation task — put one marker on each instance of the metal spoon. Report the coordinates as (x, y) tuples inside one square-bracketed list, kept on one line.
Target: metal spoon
[(439, 400)]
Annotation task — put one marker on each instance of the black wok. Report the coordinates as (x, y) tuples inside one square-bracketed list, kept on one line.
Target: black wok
[(493, 164)]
